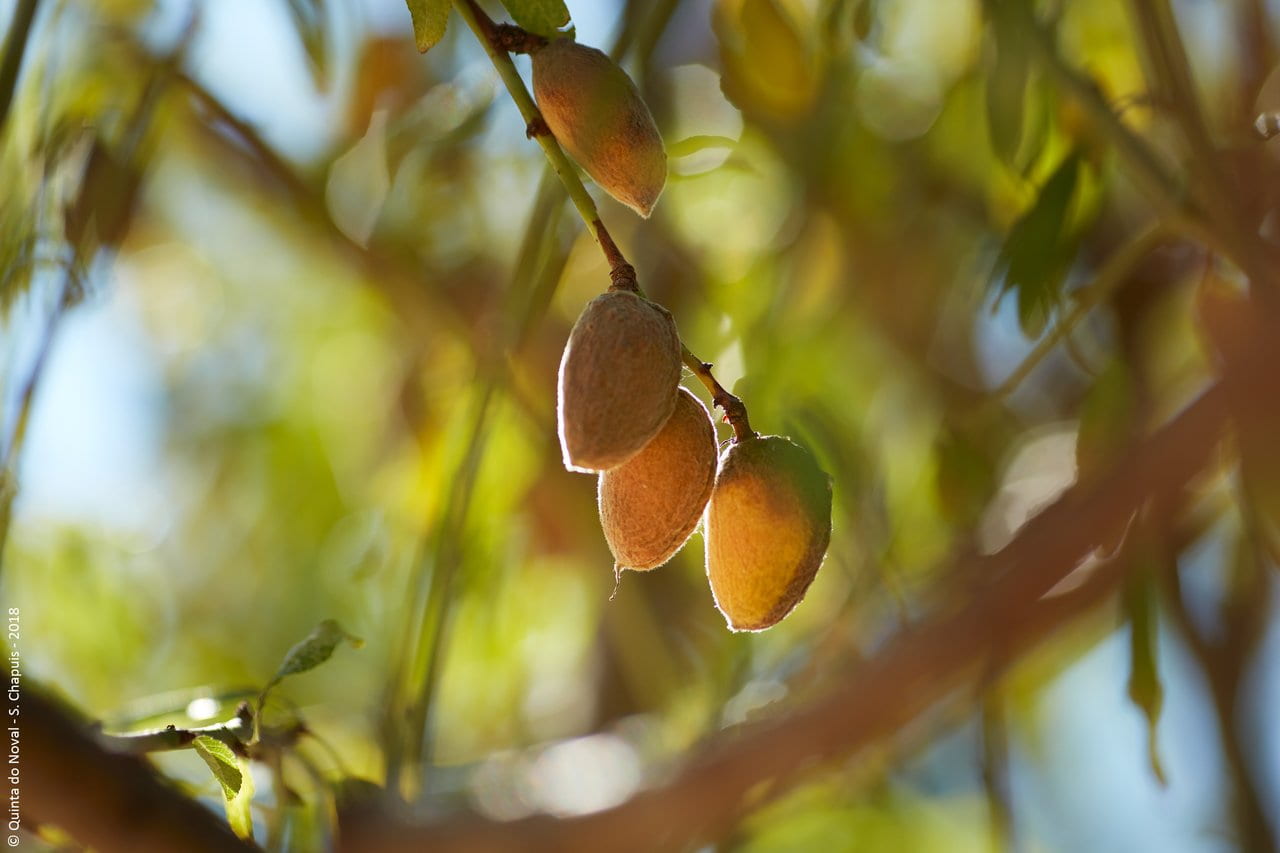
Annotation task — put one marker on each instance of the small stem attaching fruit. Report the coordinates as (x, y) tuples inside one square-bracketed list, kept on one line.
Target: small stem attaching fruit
[(621, 273), (735, 411)]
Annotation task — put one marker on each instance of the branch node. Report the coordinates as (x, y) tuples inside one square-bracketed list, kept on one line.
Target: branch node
[(535, 128), (515, 39)]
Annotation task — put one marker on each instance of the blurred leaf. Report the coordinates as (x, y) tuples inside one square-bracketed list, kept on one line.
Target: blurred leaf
[(308, 654), (1145, 689), (544, 17), (696, 144), (1007, 87), (767, 66), (965, 479), (359, 181), (309, 19), (1039, 249), (1106, 416), (429, 20), (222, 761), (840, 23), (108, 196), (239, 811)]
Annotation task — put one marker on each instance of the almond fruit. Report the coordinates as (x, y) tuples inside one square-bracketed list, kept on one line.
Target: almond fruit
[(596, 114), (650, 504), (618, 380), (767, 528)]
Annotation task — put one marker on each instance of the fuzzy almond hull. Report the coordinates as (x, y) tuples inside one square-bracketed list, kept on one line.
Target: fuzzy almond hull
[(650, 505), (618, 380), (768, 525)]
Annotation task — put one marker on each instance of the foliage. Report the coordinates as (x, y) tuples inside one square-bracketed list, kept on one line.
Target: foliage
[(284, 302)]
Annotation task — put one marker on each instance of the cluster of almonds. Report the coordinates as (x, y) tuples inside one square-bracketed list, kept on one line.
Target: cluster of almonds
[(764, 502)]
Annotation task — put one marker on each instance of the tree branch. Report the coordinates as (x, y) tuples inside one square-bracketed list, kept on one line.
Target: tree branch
[(102, 799)]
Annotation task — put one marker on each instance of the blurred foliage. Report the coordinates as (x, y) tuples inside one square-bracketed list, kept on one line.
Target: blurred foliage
[(349, 281)]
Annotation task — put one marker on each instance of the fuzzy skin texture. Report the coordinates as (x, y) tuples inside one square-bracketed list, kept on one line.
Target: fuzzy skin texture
[(618, 380), (650, 504), (767, 529), (596, 114)]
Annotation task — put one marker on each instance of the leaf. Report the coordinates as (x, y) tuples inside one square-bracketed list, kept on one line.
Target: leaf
[(767, 65), (964, 479), (1007, 87), (697, 144), (1106, 416), (1039, 249), (222, 761), (1145, 689), (309, 18), (544, 17), (315, 649), (429, 20), (239, 811), (233, 774)]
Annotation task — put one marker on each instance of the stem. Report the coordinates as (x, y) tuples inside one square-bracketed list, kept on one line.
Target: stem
[(735, 411), (485, 30), (493, 37)]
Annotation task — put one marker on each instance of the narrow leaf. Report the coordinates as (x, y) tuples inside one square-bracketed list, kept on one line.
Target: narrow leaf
[(1145, 689), (1007, 87), (1039, 249), (429, 20), (543, 17), (223, 762), (697, 144)]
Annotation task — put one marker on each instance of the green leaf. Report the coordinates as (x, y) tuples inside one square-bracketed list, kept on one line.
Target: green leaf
[(239, 812), (315, 649), (1039, 249), (544, 17), (1145, 689), (1007, 87), (222, 761), (429, 20), (1105, 418), (697, 144), (233, 774)]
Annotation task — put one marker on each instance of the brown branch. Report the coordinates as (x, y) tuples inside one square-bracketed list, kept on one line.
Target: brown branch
[(102, 799), (955, 648)]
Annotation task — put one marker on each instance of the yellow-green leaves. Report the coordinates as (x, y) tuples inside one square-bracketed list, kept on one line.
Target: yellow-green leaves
[(232, 773), (430, 17), (1041, 245), (429, 20), (316, 648), (543, 17), (769, 69)]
